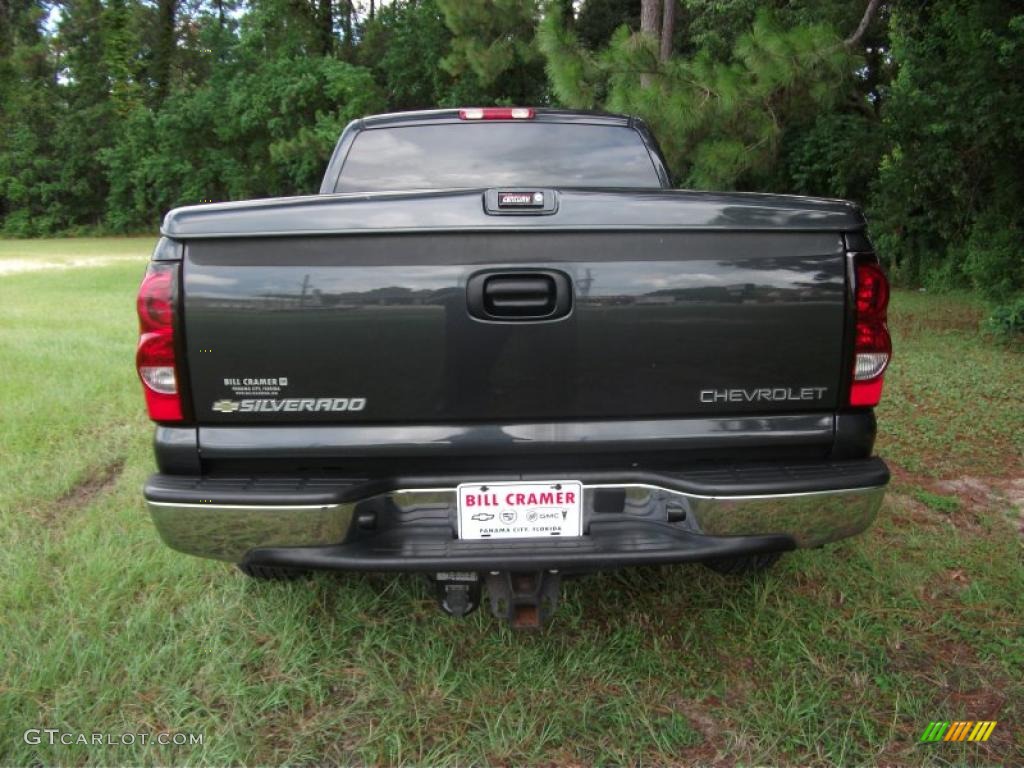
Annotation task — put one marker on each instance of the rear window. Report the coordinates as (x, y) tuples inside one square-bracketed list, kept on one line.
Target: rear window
[(490, 154)]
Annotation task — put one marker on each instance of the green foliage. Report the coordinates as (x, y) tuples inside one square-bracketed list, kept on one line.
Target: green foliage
[(1007, 320), (405, 45), (28, 172), (719, 122), (995, 255), (597, 20), (715, 26), (835, 154), (946, 209), (492, 40), (265, 132)]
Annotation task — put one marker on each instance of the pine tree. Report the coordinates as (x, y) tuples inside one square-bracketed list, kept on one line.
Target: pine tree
[(716, 120), (493, 40), (30, 110)]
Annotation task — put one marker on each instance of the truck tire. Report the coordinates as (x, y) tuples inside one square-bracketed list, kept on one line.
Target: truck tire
[(270, 573), (744, 565)]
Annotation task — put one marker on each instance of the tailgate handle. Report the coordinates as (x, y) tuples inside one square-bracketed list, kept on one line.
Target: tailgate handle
[(519, 296)]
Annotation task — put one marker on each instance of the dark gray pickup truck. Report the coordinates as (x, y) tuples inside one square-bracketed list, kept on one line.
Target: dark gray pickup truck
[(498, 348)]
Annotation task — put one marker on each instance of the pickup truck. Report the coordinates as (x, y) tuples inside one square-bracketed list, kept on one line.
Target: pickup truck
[(498, 348)]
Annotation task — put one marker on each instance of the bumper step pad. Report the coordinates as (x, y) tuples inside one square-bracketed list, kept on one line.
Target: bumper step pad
[(608, 544)]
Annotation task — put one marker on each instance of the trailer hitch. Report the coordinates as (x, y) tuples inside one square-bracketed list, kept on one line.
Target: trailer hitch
[(524, 600)]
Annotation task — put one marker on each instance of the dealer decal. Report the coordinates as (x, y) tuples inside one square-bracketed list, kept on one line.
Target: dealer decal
[(256, 386)]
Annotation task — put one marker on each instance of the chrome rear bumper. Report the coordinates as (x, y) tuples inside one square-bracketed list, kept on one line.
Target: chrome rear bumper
[(231, 531)]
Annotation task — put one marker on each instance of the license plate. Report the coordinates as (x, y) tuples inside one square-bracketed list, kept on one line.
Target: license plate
[(520, 510)]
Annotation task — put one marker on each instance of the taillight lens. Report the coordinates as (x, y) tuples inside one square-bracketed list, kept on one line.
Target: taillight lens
[(497, 113), (872, 344), (154, 357)]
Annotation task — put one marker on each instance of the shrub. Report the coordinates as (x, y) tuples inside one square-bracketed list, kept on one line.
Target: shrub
[(1007, 320)]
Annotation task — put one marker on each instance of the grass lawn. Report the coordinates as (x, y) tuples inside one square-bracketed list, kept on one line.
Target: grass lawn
[(842, 655)]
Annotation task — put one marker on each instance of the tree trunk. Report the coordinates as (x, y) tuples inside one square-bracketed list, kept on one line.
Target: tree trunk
[(862, 28), (346, 23), (568, 13), (325, 25), (163, 51), (650, 24), (650, 17), (668, 29)]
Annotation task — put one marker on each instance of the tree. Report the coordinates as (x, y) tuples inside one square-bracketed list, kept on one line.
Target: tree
[(404, 45), (719, 122), (668, 29), (164, 48), (948, 199), (597, 20), (493, 40), (254, 132), (30, 200)]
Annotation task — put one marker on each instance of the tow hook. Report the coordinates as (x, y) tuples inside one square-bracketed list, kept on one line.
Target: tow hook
[(524, 600), (458, 592)]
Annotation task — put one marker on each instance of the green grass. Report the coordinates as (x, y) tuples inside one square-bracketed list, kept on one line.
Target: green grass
[(952, 402), (936, 501), (838, 656)]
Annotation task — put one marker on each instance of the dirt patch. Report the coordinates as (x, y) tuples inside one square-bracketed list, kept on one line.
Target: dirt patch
[(1015, 495), (954, 316), (977, 496), (974, 491), (712, 750), (989, 493), (82, 493), (906, 511)]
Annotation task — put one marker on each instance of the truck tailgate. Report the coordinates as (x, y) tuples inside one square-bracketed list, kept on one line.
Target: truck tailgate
[(376, 327)]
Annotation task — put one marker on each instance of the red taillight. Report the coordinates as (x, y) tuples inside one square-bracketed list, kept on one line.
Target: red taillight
[(872, 291), (872, 345), (154, 357), (497, 113)]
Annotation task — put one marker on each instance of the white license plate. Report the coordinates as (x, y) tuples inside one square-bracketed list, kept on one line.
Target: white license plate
[(520, 510)]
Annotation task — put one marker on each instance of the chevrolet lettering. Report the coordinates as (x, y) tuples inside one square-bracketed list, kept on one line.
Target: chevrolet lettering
[(767, 394)]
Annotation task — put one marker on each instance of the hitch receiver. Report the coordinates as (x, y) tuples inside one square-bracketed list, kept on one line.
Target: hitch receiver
[(524, 600)]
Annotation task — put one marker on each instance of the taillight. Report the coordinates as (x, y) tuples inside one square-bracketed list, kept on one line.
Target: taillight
[(872, 345), (154, 357), (497, 113)]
